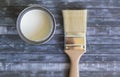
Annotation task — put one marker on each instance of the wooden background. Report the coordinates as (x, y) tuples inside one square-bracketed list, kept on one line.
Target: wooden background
[(102, 59)]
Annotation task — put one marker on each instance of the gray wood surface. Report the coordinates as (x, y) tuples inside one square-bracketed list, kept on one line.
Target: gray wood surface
[(102, 59)]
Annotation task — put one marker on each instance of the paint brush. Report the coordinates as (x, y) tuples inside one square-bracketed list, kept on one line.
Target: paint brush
[(75, 24)]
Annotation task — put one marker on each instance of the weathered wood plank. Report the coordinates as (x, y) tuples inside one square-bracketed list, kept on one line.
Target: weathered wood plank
[(95, 44), (84, 4), (21, 48), (13, 11), (56, 58), (112, 12), (55, 67), (56, 74), (103, 48), (59, 39), (65, 4), (114, 31), (8, 21), (14, 43), (103, 39), (15, 39), (58, 48)]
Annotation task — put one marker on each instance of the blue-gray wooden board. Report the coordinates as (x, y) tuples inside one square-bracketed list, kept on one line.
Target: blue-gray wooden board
[(102, 59)]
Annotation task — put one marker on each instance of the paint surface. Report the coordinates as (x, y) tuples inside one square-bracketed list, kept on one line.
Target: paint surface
[(36, 25)]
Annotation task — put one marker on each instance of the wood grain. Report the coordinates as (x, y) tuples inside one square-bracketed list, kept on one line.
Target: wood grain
[(56, 58), (19, 59)]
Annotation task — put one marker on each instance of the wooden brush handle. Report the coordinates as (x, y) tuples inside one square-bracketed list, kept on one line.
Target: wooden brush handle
[(74, 69), (74, 56)]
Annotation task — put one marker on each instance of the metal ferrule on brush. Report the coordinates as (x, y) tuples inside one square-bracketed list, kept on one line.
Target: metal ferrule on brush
[(75, 41)]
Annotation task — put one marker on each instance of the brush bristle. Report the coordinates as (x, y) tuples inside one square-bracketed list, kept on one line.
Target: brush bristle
[(75, 21)]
